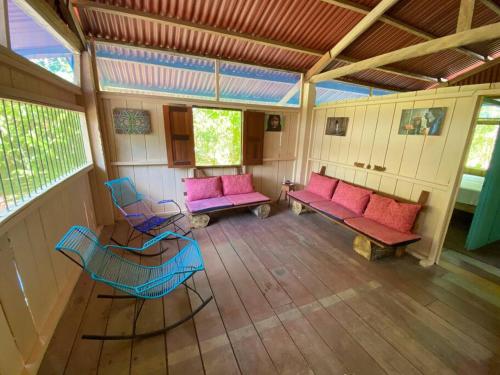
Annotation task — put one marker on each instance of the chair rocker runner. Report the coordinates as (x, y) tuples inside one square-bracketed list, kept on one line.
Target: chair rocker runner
[(134, 207), (136, 280)]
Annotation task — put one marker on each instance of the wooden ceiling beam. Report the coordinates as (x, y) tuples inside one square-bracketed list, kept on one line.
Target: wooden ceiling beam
[(270, 43), (170, 21), (363, 25), (492, 5), (476, 35), (362, 9), (465, 14), (471, 72), (399, 72)]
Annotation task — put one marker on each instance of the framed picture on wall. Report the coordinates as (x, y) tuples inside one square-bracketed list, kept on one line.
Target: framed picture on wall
[(131, 121), (422, 121), (273, 123), (336, 126)]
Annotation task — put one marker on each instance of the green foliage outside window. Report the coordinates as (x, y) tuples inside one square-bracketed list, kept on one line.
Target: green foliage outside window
[(39, 145), (217, 136), (58, 65), (481, 148)]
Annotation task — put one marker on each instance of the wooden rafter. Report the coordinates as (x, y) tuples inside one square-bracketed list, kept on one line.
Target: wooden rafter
[(476, 35), (171, 21), (249, 38), (471, 72), (492, 5), (367, 21), (465, 15), (358, 8)]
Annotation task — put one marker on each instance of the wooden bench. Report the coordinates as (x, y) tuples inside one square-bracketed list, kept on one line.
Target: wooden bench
[(201, 218), (364, 244)]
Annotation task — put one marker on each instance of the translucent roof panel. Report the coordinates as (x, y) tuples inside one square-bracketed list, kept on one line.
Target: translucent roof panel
[(138, 70), (380, 92), (252, 84), (35, 42), (331, 91)]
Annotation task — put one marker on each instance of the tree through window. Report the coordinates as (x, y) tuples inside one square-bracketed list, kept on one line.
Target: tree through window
[(217, 136)]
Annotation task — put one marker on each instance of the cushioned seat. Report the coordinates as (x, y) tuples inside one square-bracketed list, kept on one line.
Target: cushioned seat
[(334, 209), (248, 198), (202, 205), (307, 196), (380, 232)]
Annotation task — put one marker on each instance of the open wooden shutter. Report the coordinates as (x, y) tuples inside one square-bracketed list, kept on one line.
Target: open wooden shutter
[(179, 135), (253, 137)]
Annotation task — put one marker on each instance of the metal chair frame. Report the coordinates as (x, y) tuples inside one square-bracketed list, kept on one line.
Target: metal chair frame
[(143, 221), (137, 281)]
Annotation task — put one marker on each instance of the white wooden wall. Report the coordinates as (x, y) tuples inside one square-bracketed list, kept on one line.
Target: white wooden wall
[(143, 158), (413, 163), (35, 280)]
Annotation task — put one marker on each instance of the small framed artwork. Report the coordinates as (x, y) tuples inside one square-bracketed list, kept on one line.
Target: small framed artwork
[(273, 123), (422, 121), (336, 126), (131, 121)]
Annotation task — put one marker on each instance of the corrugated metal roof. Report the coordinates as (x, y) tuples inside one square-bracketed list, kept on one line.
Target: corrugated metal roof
[(310, 24), (136, 69)]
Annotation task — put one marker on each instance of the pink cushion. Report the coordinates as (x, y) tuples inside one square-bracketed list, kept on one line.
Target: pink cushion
[(203, 205), (306, 196), (352, 197), (334, 209), (377, 208), (237, 184), (248, 198), (379, 231), (401, 216), (395, 215), (321, 185), (203, 188)]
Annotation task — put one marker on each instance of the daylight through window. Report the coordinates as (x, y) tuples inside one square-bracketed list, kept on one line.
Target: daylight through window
[(217, 136), (39, 146)]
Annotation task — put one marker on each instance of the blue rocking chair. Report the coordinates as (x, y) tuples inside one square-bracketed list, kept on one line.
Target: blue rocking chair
[(135, 280), (136, 210)]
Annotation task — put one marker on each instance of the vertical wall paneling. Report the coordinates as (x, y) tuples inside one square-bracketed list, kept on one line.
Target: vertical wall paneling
[(369, 129), (356, 134), (345, 142), (381, 139), (413, 162), (456, 141), (396, 146), (334, 147), (413, 147)]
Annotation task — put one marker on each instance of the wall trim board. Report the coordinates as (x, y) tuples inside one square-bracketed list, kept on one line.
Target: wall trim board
[(18, 62), (437, 186), (436, 94), (187, 101), (29, 207), (30, 97), (164, 162)]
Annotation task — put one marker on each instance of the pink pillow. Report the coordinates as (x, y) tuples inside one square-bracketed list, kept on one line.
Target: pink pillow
[(237, 184), (321, 185), (401, 216), (377, 208), (203, 188), (351, 197)]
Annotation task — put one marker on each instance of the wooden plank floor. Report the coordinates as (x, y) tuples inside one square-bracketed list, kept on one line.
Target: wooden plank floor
[(291, 297)]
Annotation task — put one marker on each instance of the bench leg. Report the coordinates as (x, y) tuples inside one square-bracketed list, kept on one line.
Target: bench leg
[(261, 211), (297, 208), (400, 251), (199, 221), (362, 246)]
